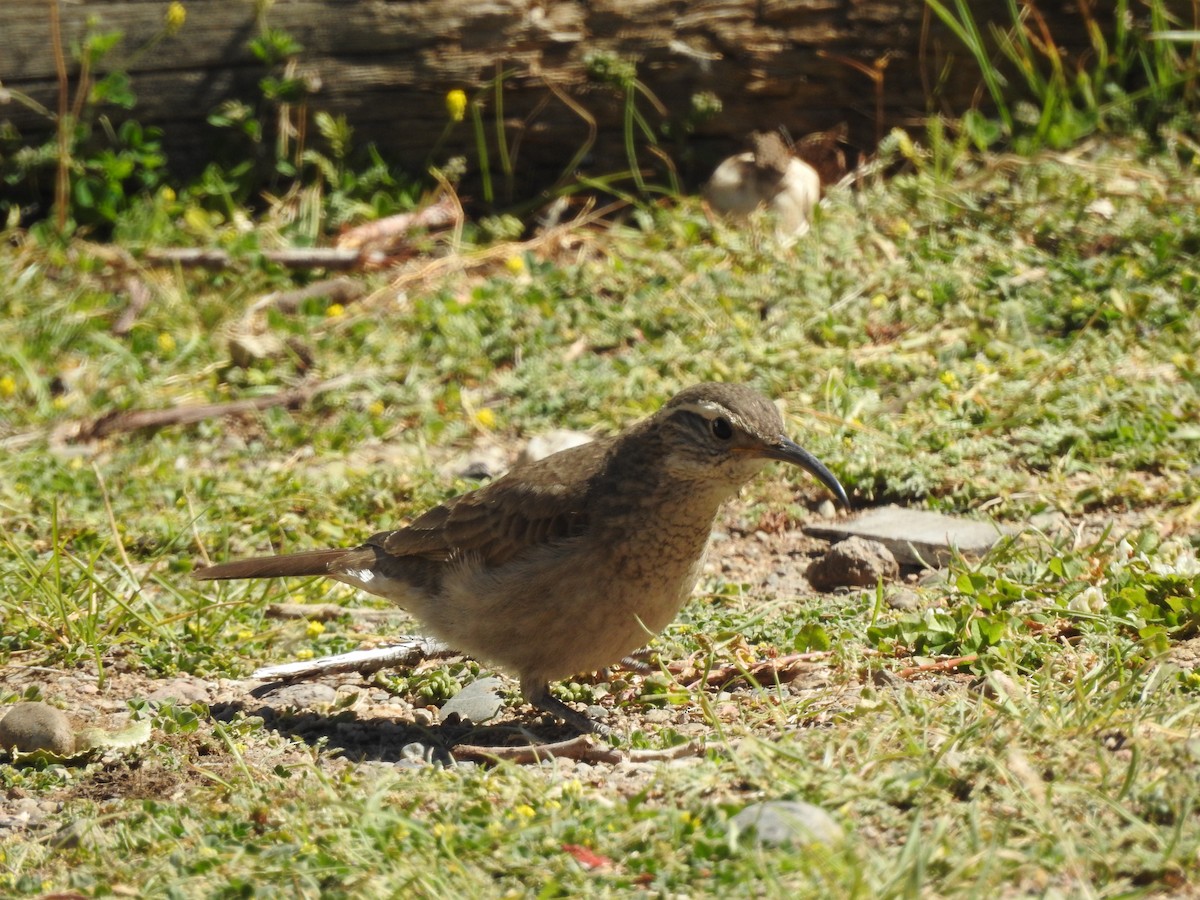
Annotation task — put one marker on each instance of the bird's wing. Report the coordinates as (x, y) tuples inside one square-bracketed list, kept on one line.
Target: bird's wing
[(533, 504)]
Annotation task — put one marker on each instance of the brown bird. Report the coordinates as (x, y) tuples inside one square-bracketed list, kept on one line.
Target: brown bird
[(570, 563)]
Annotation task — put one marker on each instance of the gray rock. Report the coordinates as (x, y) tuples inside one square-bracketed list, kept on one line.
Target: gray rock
[(787, 822), (301, 695), (479, 702), (183, 689), (915, 536), (542, 445), (853, 562), (903, 599), (34, 726)]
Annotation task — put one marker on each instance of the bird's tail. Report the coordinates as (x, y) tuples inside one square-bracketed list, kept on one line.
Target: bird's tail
[(312, 562)]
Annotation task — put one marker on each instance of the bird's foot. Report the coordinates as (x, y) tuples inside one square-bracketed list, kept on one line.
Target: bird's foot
[(545, 701)]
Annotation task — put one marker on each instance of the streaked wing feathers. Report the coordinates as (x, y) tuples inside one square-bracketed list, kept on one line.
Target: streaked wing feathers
[(498, 521)]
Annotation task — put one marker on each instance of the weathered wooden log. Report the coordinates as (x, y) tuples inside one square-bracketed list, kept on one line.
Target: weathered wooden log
[(805, 65)]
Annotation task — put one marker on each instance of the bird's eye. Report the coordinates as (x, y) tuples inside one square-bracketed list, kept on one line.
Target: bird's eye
[(721, 428)]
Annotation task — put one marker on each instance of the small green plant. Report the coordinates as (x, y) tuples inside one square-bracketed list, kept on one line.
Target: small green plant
[(1135, 76), (621, 74), (93, 166)]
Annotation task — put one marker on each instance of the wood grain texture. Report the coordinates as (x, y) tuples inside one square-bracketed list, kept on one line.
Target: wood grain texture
[(387, 65)]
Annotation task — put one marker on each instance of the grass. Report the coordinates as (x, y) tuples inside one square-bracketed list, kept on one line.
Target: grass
[(1008, 335)]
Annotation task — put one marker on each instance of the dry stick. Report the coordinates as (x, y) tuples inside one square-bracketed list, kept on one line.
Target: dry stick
[(942, 665), (783, 668), (446, 211), (143, 419), (290, 258), (337, 290), (584, 748), (412, 651)]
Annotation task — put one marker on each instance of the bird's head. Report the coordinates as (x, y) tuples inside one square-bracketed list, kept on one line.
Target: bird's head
[(723, 434)]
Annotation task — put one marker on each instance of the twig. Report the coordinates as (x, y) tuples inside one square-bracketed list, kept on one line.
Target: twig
[(783, 668), (145, 419), (942, 665), (365, 662), (337, 290), (387, 232), (584, 748)]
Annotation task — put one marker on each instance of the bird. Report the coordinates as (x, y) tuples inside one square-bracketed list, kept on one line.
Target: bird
[(768, 175), (569, 564)]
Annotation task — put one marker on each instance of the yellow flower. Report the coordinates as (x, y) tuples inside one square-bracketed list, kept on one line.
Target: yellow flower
[(166, 343), (8, 386), (315, 629), (949, 379), (245, 634), (304, 653), (456, 105), (515, 264), (376, 408), (879, 300), (486, 418), (335, 310), (175, 17), (524, 811)]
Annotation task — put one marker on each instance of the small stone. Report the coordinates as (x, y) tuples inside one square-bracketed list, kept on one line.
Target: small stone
[(542, 445), (183, 689), (303, 695), (827, 509), (34, 725), (853, 562), (787, 822), (903, 599), (423, 717), (479, 702)]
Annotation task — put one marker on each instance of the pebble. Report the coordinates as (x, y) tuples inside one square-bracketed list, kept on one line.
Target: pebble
[(424, 717), (478, 702), (787, 822), (35, 725), (853, 562), (904, 600), (302, 695), (185, 690)]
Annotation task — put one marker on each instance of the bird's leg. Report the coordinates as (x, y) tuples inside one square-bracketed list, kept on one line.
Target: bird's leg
[(639, 661), (538, 694)]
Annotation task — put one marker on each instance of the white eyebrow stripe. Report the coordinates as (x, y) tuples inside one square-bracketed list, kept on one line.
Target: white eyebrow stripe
[(709, 410)]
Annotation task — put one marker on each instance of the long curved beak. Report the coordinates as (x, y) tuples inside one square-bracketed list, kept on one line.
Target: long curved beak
[(789, 451)]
